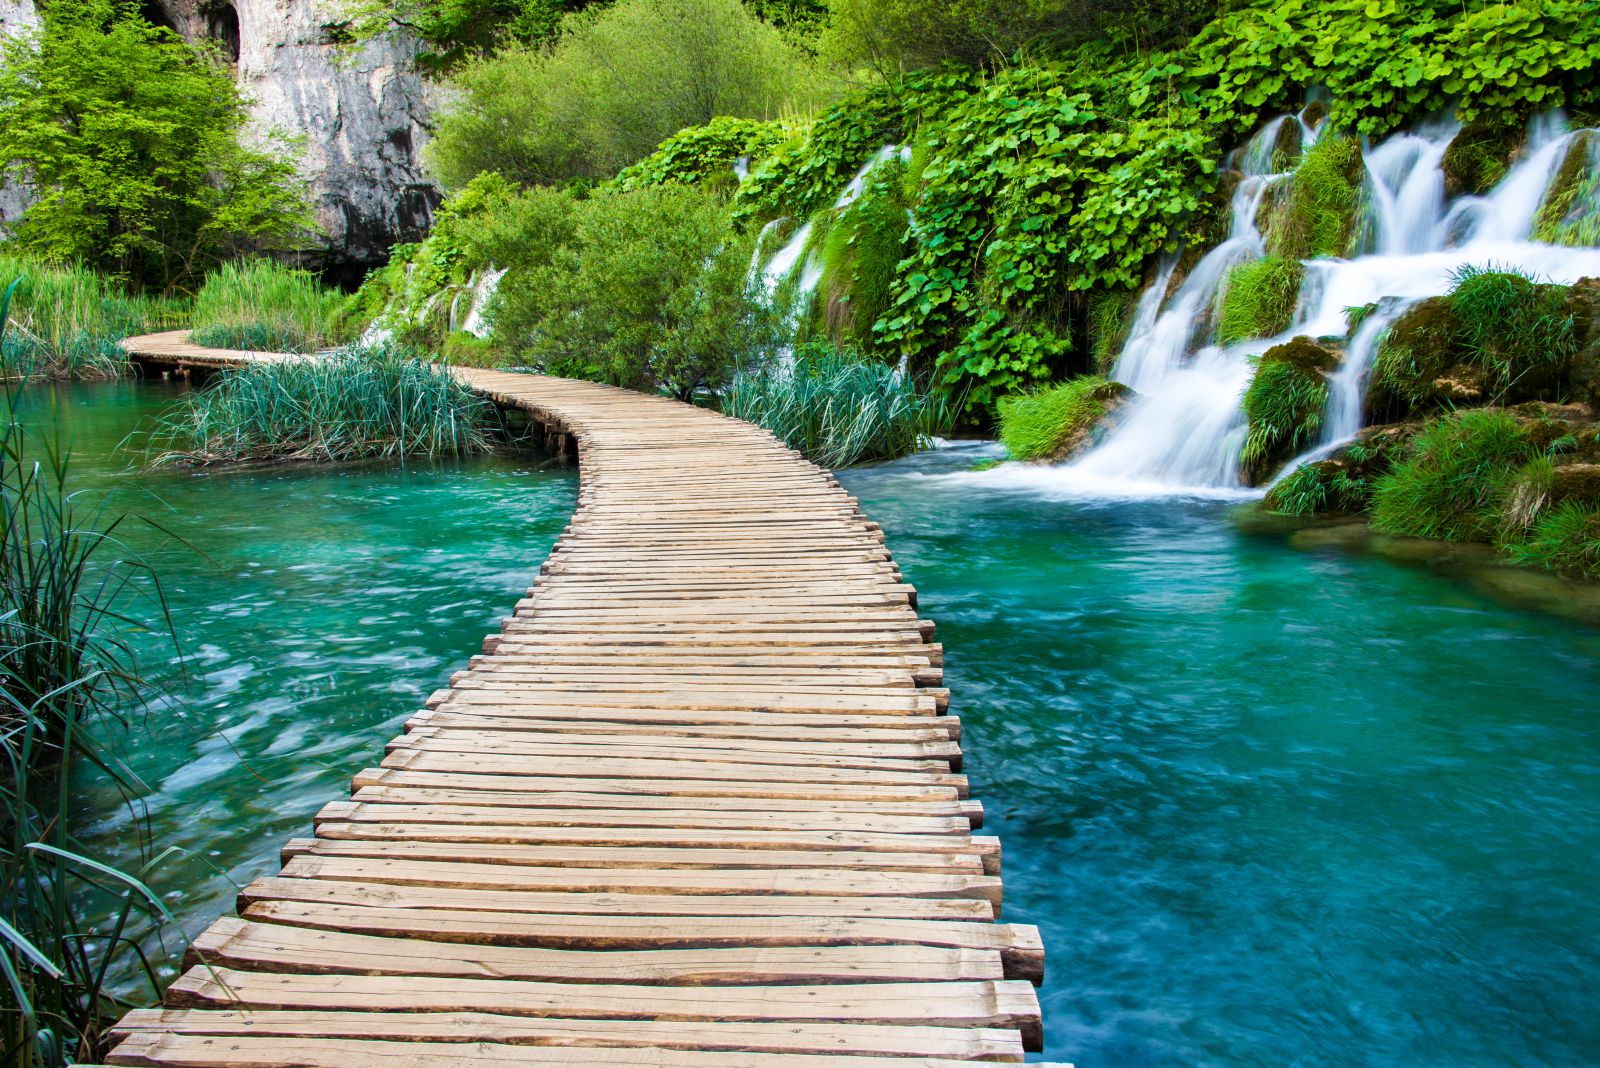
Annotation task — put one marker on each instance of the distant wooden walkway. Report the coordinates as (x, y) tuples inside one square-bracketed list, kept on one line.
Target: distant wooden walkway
[(695, 806)]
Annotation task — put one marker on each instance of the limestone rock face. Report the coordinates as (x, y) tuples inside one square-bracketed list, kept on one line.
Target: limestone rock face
[(17, 17), (359, 115)]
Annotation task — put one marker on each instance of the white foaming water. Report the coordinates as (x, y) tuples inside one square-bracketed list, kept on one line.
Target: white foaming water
[(481, 291), (1184, 431)]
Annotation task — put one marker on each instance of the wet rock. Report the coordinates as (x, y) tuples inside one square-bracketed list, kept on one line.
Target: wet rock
[(1478, 157)]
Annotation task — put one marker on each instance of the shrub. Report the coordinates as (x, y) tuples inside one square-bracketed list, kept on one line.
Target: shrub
[(359, 404), (1314, 209), (67, 322), (1258, 299), (264, 306), (1284, 404), (705, 153), (1050, 423), (652, 291), (837, 408), (613, 88), (1453, 484), (1566, 538), (132, 142)]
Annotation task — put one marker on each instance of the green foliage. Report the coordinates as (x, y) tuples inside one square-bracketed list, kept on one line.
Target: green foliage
[(264, 306), (1109, 315), (67, 322), (359, 404), (1314, 213), (704, 153), (132, 142), (1570, 214), (860, 251), (1566, 538), (454, 30), (651, 291), (1049, 423), (610, 90), (1517, 331), (1317, 488), (1453, 484), (1258, 299), (837, 408), (1284, 404)]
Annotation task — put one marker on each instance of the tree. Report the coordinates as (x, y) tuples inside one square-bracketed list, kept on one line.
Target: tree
[(609, 91), (650, 290), (130, 141)]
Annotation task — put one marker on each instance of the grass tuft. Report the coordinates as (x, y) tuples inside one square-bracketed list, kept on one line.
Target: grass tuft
[(1454, 483), (1284, 404), (839, 409), (67, 321), (1050, 423), (1314, 215), (1566, 538), (1258, 299), (1570, 213), (358, 404), (263, 306)]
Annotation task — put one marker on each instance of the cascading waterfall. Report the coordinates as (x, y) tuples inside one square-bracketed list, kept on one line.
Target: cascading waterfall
[(1185, 429)]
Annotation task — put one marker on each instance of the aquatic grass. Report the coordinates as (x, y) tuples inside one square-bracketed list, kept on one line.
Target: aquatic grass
[(265, 306), (1049, 423), (1314, 214), (838, 408), (356, 404), (1565, 538), (67, 321), (1453, 484), (67, 676), (1284, 404), (1258, 299)]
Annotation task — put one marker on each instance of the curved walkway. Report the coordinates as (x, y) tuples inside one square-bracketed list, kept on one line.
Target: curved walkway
[(695, 805)]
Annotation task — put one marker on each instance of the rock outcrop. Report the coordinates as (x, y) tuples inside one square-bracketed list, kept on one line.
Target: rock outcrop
[(360, 114)]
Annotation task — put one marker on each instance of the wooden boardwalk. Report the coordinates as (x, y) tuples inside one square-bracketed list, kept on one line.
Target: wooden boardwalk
[(695, 805)]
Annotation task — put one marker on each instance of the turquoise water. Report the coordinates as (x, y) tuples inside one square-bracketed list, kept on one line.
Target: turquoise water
[(1270, 807), (317, 608)]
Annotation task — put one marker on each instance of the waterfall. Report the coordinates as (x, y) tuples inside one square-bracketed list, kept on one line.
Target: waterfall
[(1184, 430), (482, 290)]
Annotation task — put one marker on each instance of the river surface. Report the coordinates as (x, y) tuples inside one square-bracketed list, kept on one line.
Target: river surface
[(1270, 807)]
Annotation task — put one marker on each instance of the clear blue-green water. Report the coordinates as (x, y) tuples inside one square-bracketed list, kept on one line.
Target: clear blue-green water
[(1269, 806)]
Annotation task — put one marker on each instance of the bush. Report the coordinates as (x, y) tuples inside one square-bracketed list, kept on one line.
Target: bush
[(837, 408), (1051, 423), (608, 92), (263, 306), (67, 322), (131, 141), (1313, 212), (1453, 484), (1258, 299), (359, 404), (1284, 404), (705, 153), (651, 292)]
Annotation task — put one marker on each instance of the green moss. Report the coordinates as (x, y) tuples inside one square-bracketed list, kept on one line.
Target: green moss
[(1570, 213), (1258, 299), (1416, 351), (860, 251), (1454, 483), (1284, 405), (1052, 422), (1479, 156), (1312, 212)]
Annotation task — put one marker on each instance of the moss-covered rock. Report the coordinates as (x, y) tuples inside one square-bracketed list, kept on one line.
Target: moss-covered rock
[(1258, 299), (1582, 306), (1418, 349), (1342, 483), (861, 249), (1479, 156), (1284, 405), (1570, 211), (1110, 318), (1312, 213), (1053, 423)]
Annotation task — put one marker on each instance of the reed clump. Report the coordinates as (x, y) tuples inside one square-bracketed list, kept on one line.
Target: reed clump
[(67, 321), (839, 409), (67, 675), (264, 306), (357, 404)]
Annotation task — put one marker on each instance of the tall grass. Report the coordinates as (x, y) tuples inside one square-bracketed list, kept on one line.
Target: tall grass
[(1453, 484), (1048, 423), (66, 673), (1513, 327), (1315, 214), (358, 404), (66, 321), (1258, 299), (839, 409), (264, 306)]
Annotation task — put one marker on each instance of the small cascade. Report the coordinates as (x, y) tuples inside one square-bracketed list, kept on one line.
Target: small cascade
[(482, 290), (1184, 430)]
